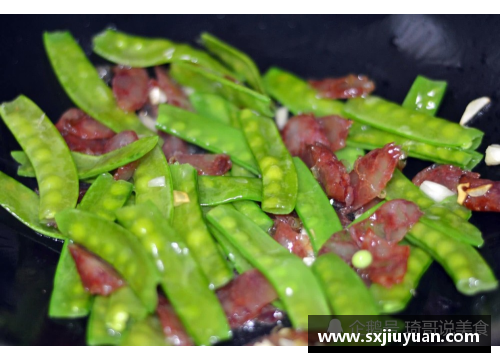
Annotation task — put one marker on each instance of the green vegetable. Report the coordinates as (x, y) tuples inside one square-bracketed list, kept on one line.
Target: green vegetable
[(105, 196), (362, 259), (235, 258), (367, 213), (98, 333), (189, 223), (452, 205), (279, 178), (215, 190), (211, 135), (253, 211), (297, 95), (152, 166), (69, 298), (205, 81), (425, 95), (391, 117), (182, 280), (83, 85), (117, 246), (139, 52), (346, 292), (146, 332), (348, 156), (314, 208), (294, 282), (216, 108), (239, 62)]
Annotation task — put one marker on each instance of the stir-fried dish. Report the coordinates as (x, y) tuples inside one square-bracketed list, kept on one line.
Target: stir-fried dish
[(195, 197)]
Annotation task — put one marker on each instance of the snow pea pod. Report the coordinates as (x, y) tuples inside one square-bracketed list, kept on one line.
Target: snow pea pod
[(215, 107), (238, 61), (235, 258), (451, 204), (181, 278), (153, 166), (146, 332), (89, 166), (295, 94), (314, 208), (57, 181), (117, 246), (279, 178), (202, 80), (461, 261), (369, 138), (394, 299), (391, 117), (23, 204), (211, 135), (140, 52), (83, 85), (189, 223), (216, 190), (295, 284), (69, 298), (105, 196), (346, 292), (98, 333), (348, 156), (425, 95)]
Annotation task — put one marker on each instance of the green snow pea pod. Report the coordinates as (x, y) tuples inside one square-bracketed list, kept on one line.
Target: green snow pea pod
[(451, 204), (400, 187), (181, 278), (89, 166), (117, 246), (425, 95), (461, 261), (154, 166), (369, 138), (105, 196), (216, 190), (394, 299), (139, 52), (295, 284), (83, 85), (23, 204), (190, 224), (205, 81), (238, 61), (391, 117), (211, 135), (279, 178), (98, 333), (146, 332), (347, 294), (215, 107), (235, 258), (297, 95), (314, 208), (69, 298), (348, 156), (40, 139)]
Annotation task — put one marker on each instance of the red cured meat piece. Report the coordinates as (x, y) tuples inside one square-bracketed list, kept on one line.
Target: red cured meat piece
[(490, 201), (446, 175), (206, 164), (301, 131), (351, 86), (120, 140), (172, 326), (175, 95), (287, 232), (336, 129), (130, 87), (173, 145)]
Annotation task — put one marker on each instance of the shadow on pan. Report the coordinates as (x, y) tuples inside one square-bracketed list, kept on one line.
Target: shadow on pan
[(392, 50)]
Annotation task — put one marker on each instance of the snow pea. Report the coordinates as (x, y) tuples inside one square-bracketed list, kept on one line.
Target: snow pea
[(295, 284), (235, 258), (152, 166), (348, 156), (238, 61), (140, 52), (211, 135), (394, 299), (279, 178), (189, 223), (69, 298), (181, 278), (451, 204), (146, 332), (215, 107), (98, 333), (117, 246), (297, 95), (83, 85), (105, 196), (202, 80), (346, 292), (461, 261), (369, 138), (23, 204), (391, 117), (89, 166), (39, 138), (216, 190), (425, 95), (314, 208)]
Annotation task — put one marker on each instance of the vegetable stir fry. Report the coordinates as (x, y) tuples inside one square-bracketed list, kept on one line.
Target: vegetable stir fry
[(191, 205)]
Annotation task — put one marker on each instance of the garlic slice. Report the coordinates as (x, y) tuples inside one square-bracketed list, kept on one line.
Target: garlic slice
[(157, 182), (479, 191), (473, 108), (492, 155), (436, 191), (281, 117)]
